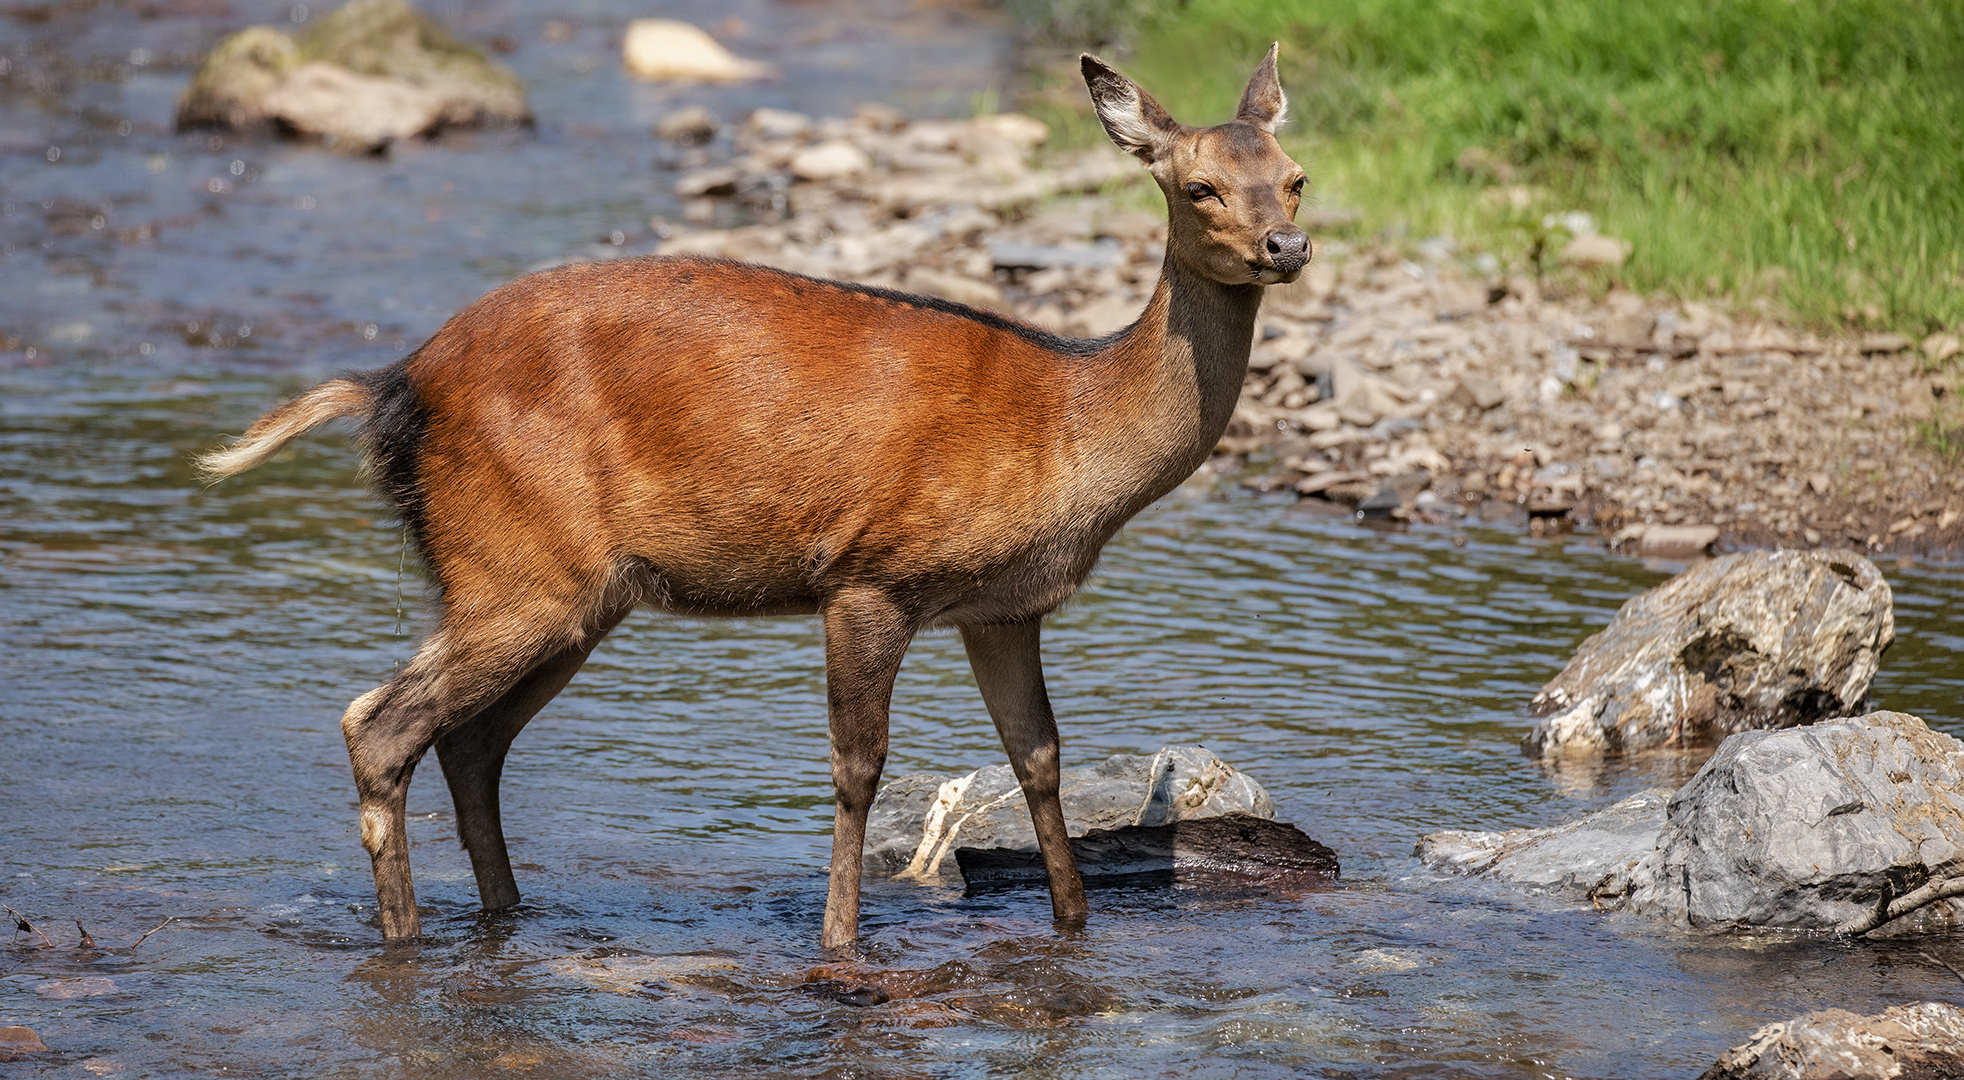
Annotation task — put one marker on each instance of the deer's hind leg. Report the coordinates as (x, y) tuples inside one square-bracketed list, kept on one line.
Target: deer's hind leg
[(474, 662), (473, 759)]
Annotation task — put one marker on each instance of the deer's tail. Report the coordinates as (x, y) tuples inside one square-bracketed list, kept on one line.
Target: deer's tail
[(329, 401)]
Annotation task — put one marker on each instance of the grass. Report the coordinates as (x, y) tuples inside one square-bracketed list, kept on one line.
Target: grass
[(1804, 156)]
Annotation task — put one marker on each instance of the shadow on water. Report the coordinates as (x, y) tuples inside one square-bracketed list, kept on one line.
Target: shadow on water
[(176, 661)]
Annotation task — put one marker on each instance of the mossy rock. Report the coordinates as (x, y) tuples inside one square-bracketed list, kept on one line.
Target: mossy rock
[(384, 39)]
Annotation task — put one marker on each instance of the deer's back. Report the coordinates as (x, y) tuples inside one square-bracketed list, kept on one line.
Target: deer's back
[(744, 439)]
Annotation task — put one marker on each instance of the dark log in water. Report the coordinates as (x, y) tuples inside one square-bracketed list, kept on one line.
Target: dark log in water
[(1238, 844)]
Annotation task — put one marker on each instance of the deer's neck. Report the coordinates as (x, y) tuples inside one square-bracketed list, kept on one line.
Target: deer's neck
[(1166, 390)]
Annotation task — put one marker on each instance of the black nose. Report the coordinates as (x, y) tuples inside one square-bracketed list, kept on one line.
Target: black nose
[(1288, 249)]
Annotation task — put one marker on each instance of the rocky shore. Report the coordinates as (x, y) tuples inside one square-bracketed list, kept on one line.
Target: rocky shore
[(1395, 380)]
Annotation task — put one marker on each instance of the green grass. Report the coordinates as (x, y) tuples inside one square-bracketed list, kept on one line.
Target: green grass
[(1803, 153)]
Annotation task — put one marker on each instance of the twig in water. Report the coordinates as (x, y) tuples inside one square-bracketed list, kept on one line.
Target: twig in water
[(1930, 893), (1944, 962), (139, 941), (87, 942), (22, 924)]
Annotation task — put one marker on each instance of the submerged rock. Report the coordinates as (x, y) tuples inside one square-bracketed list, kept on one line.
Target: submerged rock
[(1905, 1041), (16, 1041), (1814, 828), (1750, 640), (919, 820), (365, 74)]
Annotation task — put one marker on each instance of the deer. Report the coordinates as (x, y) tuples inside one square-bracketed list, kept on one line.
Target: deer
[(716, 439)]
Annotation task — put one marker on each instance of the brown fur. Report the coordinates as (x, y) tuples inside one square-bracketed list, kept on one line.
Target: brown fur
[(714, 439)]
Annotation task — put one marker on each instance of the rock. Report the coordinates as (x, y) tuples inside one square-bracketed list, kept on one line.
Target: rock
[(715, 180), (962, 290), (15, 1041), (359, 112), (1809, 828), (366, 73), (828, 161), (1572, 860), (1015, 129), (1940, 347), (669, 49), (1011, 255), (689, 126), (1676, 541), (768, 123), (1842, 825), (919, 819), (1480, 393), (1903, 1041), (1596, 252), (1629, 330), (1236, 844), (1884, 343), (1748, 640)]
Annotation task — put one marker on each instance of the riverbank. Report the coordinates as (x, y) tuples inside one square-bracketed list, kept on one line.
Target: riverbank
[(1400, 381)]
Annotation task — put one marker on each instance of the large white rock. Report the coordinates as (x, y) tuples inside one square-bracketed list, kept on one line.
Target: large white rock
[(668, 49), (1749, 640)]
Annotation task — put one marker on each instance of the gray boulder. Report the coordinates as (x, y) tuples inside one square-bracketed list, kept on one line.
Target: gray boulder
[(1812, 829), (363, 75), (1845, 826), (1750, 640), (919, 819), (1904, 1042)]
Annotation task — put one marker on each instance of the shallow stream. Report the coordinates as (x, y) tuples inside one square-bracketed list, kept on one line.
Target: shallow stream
[(176, 661)]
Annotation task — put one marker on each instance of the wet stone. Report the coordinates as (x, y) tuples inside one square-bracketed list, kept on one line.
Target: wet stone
[(919, 820)]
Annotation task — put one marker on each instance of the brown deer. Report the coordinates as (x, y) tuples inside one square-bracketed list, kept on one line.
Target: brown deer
[(715, 439)]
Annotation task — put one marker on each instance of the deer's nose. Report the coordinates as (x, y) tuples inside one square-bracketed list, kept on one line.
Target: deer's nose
[(1288, 249)]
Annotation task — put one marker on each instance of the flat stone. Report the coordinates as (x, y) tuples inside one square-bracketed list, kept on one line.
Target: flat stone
[(1571, 860), (1235, 845), (1884, 343), (1011, 255), (1676, 541)]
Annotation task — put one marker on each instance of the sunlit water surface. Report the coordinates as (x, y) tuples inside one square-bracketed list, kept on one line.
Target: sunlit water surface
[(176, 661)]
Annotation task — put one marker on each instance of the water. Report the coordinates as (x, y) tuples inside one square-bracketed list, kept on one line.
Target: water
[(177, 659)]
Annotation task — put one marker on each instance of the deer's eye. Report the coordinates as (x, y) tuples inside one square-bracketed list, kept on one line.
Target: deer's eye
[(1198, 191), (1296, 188)]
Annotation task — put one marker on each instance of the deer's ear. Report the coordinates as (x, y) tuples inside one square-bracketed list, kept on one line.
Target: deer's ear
[(1263, 104), (1131, 117)]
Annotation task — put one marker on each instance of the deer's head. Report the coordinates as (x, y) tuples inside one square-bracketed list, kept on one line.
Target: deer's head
[(1231, 193)]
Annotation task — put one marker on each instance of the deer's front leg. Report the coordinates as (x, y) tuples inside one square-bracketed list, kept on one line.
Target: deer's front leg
[(866, 635), (1009, 669)]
